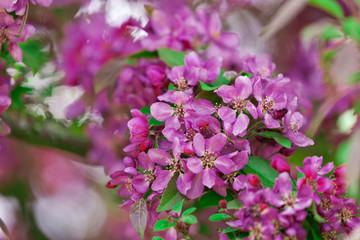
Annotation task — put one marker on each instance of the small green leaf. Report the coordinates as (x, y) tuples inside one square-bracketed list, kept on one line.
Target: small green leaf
[(221, 80), (230, 229), (33, 54), (218, 217), (144, 54), (145, 110), (163, 224), (330, 32), (171, 195), (157, 238), (234, 204), (171, 87), (282, 140), (171, 57), (211, 199), (357, 107), (152, 121), (329, 6), (351, 28), (189, 211), (178, 207), (155, 122), (262, 168), (312, 228), (189, 219)]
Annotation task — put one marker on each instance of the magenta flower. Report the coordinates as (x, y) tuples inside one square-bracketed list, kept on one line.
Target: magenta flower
[(139, 129), (260, 66), (293, 123), (236, 97), (9, 29), (271, 98), (282, 195), (208, 158)]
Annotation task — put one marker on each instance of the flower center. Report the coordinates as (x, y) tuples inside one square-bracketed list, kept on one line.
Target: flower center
[(238, 104), (294, 127), (268, 103), (208, 159), (179, 110), (181, 84)]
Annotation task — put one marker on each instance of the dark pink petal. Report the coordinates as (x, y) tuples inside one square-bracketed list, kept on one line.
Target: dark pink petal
[(240, 125), (326, 168), (213, 66), (227, 93), (199, 144), (161, 111), (299, 139), (323, 184), (283, 184), (197, 187), (243, 87), (16, 52), (216, 143), (194, 164), (5, 102), (162, 180), (240, 160), (145, 161), (224, 165), (270, 122), (125, 190), (203, 107), (197, 74), (252, 109), (192, 60), (176, 148), (257, 92), (240, 182), (227, 114), (140, 183), (183, 183), (159, 156), (208, 177)]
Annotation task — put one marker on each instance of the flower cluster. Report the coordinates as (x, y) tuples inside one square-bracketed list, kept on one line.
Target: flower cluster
[(201, 141), (280, 213), (15, 29)]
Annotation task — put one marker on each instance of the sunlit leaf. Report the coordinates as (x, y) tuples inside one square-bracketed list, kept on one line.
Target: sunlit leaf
[(163, 224), (282, 140), (262, 168), (219, 217), (171, 57), (171, 196), (329, 6)]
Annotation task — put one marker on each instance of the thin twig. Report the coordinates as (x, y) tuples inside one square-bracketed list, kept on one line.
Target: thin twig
[(23, 21)]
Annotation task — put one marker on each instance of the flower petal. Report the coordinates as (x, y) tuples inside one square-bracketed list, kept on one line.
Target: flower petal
[(194, 164), (224, 165), (159, 156)]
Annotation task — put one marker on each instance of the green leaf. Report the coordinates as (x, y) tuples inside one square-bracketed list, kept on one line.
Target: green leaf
[(152, 121), (330, 32), (155, 122), (171, 195), (145, 110), (171, 57), (230, 229), (282, 140), (329, 6), (163, 224), (178, 207), (138, 216), (221, 80), (211, 199), (312, 228), (218, 217), (234, 204), (189, 211), (33, 54), (171, 87), (262, 168), (157, 238), (189, 219), (351, 28), (357, 107), (144, 54)]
